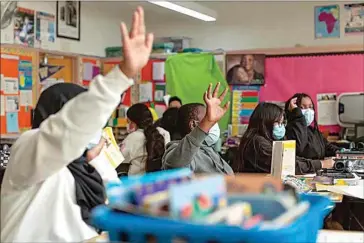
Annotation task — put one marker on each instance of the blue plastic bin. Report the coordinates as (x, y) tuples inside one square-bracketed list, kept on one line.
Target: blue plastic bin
[(138, 228)]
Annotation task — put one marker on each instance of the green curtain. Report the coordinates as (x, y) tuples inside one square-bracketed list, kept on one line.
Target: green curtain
[(188, 76)]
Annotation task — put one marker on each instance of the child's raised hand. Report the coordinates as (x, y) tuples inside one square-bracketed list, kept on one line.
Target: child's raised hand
[(293, 104), (137, 46), (214, 111)]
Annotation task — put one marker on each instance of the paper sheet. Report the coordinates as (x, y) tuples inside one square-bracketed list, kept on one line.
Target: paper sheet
[(2, 105), (12, 125), (11, 85), (332, 236), (49, 82), (160, 109), (12, 103), (166, 99), (353, 191), (158, 71), (326, 109), (26, 98), (2, 82), (95, 71), (145, 92), (87, 71)]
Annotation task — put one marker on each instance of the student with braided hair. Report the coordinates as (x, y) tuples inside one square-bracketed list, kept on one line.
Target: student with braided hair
[(144, 147)]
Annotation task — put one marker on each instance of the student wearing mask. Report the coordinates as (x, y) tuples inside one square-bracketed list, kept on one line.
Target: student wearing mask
[(49, 187), (196, 122), (175, 102), (302, 127), (144, 147), (266, 125)]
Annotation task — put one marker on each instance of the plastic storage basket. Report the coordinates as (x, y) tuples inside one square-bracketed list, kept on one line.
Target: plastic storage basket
[(134, 228), (114, 51)]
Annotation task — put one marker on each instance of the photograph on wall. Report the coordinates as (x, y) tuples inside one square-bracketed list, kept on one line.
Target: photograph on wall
[(245, 69), (327, 21), (24, 27), (354, 18), (45, 30), (69, 19)]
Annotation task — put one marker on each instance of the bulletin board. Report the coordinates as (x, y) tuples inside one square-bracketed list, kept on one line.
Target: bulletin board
[(127, 97), (68, 64), (312, 74), (18, 89), (152, 88), (88, 69)]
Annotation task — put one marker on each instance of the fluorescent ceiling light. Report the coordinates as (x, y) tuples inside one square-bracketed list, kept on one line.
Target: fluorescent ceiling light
[(183, 10)]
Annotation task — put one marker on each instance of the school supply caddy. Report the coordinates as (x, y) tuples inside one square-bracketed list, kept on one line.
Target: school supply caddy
[(181, 206)]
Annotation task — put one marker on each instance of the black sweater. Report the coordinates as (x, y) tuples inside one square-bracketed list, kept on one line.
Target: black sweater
[(257, 158), (310, 143)]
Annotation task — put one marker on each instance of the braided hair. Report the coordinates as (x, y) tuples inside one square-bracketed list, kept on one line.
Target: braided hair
[(142, 117)]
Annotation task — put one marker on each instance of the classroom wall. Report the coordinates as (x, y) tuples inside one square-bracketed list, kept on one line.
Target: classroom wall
[(249, 25), (98, 28)]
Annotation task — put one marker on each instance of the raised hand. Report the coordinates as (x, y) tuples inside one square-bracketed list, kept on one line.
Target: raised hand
[(292, 104), (214, 111), (137, 46)]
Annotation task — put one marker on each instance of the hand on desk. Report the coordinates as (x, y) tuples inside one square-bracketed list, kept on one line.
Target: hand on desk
[(327, 163)]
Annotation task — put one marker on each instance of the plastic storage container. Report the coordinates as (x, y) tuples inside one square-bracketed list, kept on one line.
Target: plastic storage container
[(115, 51), (135, 228)]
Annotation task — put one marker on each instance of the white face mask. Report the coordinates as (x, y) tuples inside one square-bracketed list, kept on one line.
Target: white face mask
[(213, 136), (95, 141), (309, 115)]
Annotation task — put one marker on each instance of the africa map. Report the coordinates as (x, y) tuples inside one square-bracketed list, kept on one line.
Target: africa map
[(327, 21)]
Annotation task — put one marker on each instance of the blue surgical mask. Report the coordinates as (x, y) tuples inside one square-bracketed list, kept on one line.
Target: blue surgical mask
[(95, 141), (279, 131), (213, 136), (309, 115)]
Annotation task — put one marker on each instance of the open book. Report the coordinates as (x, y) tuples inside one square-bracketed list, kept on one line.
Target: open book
[(111, 149)]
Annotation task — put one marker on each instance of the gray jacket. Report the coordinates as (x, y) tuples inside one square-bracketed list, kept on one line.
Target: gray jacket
[(192, 152)]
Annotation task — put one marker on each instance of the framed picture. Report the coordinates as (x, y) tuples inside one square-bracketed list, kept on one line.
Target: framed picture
[(69, 19), (245, 69)]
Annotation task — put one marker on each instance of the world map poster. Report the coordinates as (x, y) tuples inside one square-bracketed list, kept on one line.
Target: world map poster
[(327, 21)]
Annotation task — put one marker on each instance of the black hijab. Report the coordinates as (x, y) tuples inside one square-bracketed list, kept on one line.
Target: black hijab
[(89, 186)]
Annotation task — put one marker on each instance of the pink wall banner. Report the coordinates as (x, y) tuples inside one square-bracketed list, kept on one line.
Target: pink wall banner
[(286, 76)]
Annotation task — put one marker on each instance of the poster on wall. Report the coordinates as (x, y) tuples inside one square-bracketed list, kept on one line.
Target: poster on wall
[(69, 19), (24, 27), (245, 69), (7, 28), (45, 30), (327, 21), (25, 75), (354, 18)]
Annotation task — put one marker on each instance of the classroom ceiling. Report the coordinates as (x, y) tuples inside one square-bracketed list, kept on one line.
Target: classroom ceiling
[(227, 11)]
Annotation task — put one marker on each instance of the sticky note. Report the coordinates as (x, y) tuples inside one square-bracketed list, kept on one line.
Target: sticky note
[(12, 124)]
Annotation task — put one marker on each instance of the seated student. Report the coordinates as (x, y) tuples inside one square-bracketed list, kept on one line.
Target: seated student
[(174, 102), (195, 122), (49, 188), (302, 127), (169, 122), (255, 149), (144, 147)]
